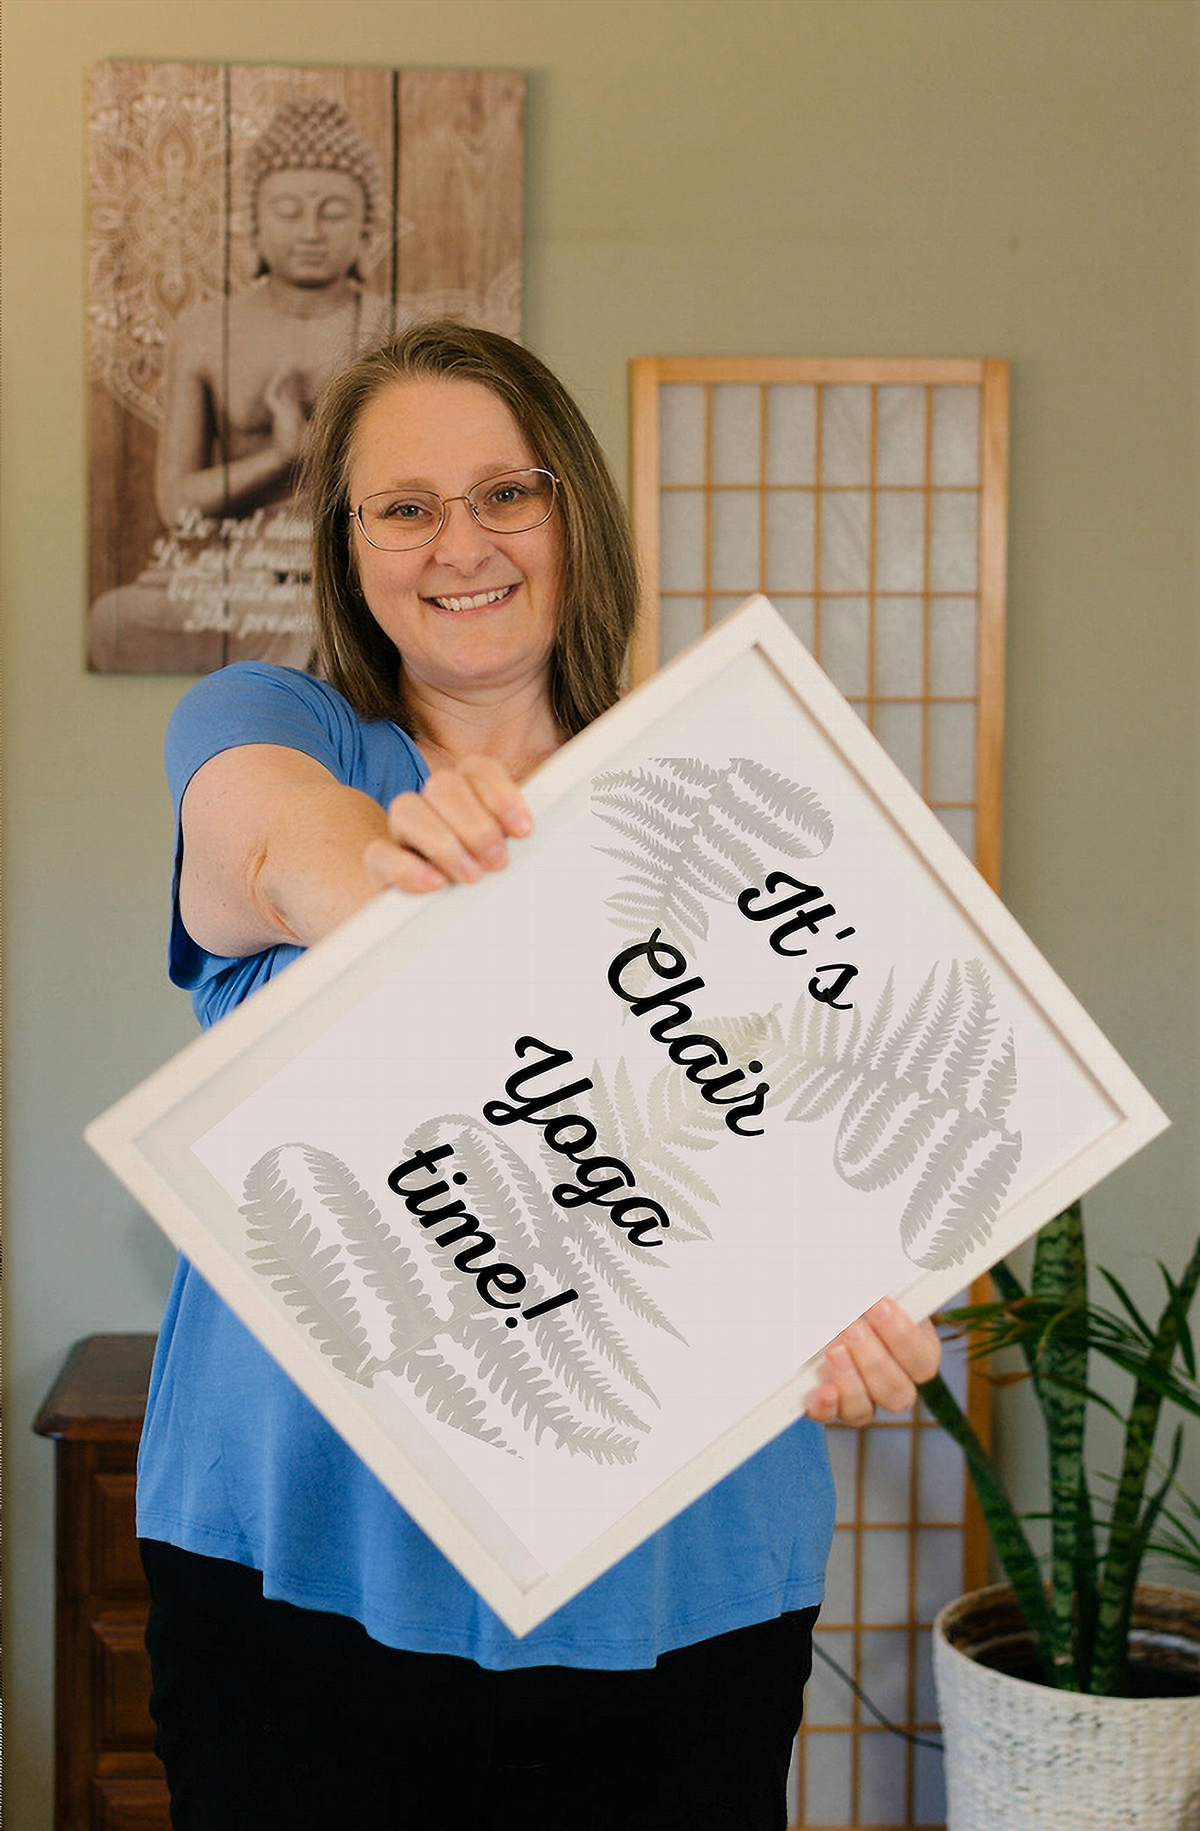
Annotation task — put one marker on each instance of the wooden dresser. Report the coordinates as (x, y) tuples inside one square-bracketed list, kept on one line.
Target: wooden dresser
[(107, 1777)]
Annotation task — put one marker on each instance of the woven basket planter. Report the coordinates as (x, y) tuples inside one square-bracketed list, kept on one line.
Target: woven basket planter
[(1024, 1757)]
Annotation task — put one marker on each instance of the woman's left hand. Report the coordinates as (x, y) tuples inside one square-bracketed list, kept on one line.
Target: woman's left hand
[(879, 1360)]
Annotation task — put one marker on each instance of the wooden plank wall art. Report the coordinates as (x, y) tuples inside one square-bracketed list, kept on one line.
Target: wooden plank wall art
[(250, 228)]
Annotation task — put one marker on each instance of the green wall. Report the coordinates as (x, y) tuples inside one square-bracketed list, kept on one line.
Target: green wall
[(804, 177)]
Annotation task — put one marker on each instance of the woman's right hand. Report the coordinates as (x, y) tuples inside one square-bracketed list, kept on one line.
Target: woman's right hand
[(453, 832)]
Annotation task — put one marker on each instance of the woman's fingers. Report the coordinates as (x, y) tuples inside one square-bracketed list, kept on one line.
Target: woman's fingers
[(454, 831), (880, 1360), (914, 1346), (843, 1398)]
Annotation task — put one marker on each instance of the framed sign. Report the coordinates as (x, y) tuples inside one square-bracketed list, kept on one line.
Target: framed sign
[(549, 1191)]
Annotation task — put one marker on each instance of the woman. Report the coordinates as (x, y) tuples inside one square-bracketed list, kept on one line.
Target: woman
[(474, 592)]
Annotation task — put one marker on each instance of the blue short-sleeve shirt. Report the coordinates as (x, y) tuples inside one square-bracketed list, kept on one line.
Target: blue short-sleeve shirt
[(236, 1463)]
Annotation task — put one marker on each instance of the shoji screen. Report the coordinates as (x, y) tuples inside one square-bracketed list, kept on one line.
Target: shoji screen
[(868, 501)]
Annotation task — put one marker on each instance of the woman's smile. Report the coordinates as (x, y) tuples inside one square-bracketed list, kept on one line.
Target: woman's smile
[(482, 600)]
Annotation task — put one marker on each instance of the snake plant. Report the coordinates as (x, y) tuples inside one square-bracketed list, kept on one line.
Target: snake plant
[(1079, 1613)]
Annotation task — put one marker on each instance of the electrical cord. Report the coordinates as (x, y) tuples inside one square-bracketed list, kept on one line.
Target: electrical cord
[(906, 1735)]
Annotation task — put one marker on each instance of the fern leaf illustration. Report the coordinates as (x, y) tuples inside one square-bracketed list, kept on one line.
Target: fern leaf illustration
[(695, 836), (818, 1087), (818, 1031), (657, 845), (506, 1197), (673, 791), (449, 1396), (911, 1127), (312, 1279), (387, 1265), (624, 855), (498, 1176), (940, 1177), (676, 1118), (881, 1134), (509, 1371), (676, 912), (686, 1221), (873, 1041), (604, 1113), (649, 1144), (940, 1028), (600, 1257), (553, 1339), (753, 1034), (591, 1319), (799, 807), (696, 772), (721, 838), (900, 1041), (709, 875), (1000, 1083), (633, 1130), (926, 1095), (971, 1212), (551, 1369), (654, 1151), (823, 1056), (966, 1059)]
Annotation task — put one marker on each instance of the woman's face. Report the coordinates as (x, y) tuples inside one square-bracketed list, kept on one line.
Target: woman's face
[(472, 612), (310, 225)]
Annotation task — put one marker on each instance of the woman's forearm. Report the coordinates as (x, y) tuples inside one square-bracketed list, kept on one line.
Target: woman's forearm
[(273, 850)]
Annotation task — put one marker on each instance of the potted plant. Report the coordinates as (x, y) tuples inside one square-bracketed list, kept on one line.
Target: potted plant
[(1062, 1693)]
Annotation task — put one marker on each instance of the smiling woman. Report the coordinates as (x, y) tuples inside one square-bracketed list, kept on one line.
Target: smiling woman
[(317, 1663)]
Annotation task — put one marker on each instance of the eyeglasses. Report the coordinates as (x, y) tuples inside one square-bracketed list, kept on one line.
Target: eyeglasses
[(512, 503)]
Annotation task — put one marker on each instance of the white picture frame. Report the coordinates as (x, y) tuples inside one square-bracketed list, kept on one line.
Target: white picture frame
[(886, 1089)]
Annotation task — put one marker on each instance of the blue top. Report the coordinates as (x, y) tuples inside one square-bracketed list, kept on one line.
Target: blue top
[(236, 1463)]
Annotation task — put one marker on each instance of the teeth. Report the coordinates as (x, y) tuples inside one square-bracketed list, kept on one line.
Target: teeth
[(476, 603)]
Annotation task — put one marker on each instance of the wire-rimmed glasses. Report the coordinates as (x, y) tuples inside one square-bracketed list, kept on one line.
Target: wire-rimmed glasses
[(512, 503)]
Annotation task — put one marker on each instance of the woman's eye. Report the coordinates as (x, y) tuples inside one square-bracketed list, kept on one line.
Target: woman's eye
[(402, 508), (506, 496)]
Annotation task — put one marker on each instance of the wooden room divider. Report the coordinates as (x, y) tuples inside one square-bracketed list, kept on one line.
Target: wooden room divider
[(868, 500)]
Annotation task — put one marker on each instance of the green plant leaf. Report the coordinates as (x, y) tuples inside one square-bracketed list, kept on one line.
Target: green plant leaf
[(1008, 1535)]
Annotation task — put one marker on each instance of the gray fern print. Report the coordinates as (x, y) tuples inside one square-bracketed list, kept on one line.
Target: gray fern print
[(924, 1097), (690, 834), (376, 1306), (651, 1139)]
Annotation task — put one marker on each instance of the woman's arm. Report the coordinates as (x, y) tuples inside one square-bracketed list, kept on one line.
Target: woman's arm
[(275, 849)]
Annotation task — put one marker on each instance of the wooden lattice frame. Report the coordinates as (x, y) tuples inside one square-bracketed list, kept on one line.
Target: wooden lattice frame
[(649, 377)]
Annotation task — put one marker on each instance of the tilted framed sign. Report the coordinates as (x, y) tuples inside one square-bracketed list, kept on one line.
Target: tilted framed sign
[(548, 1191)]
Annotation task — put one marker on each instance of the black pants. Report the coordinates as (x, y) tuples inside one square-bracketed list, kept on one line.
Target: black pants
[(274, 1716)]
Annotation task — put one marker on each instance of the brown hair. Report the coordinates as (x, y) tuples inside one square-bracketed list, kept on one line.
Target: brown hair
[(599, 575)]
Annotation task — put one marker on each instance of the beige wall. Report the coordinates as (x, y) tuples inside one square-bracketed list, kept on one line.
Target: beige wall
[(813, 177)]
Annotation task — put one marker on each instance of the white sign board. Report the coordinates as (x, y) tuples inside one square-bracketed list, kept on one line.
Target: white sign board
[(549, 1191)]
